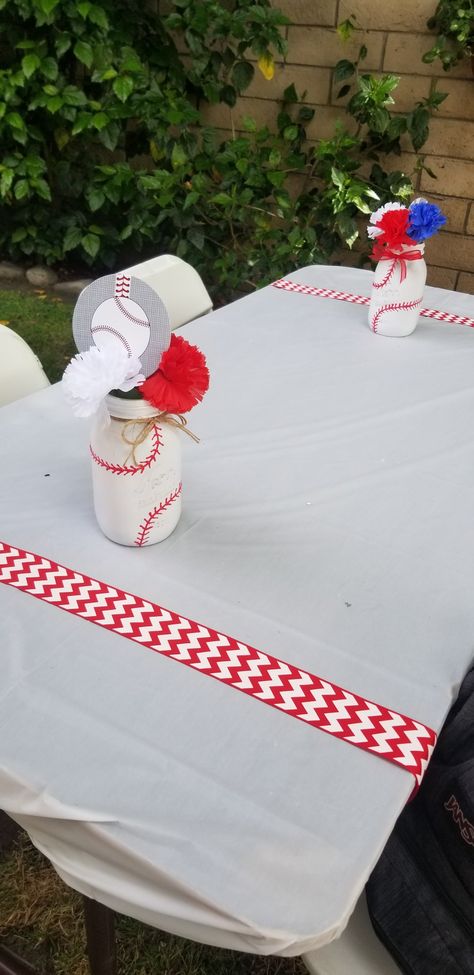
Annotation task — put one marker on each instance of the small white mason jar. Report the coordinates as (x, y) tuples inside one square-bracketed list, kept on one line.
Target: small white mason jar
[(396, 298), (136, 472)]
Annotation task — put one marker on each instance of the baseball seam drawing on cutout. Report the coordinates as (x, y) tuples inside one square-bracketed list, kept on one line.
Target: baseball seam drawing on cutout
[(136, 321), (113, 331)]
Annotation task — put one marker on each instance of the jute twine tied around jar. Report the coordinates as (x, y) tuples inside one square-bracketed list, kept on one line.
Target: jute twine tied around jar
[(145, 426)]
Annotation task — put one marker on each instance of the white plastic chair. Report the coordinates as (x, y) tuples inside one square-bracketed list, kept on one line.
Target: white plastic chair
[(178, 285), (21, 371), (357, 952)]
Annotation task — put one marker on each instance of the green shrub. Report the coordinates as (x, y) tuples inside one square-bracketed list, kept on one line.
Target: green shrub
[(106, 156)]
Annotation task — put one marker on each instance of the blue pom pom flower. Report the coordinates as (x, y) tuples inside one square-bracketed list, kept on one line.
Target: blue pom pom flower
[(425, 219)]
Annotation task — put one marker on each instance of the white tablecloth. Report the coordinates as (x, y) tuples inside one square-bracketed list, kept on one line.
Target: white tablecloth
[(328, 521)]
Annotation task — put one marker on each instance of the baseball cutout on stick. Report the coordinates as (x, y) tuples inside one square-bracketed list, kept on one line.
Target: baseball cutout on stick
[(122, 311)]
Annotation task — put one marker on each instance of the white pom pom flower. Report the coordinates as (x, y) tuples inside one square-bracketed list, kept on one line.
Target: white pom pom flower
[(377, 214), (373, 232), (91, 375)]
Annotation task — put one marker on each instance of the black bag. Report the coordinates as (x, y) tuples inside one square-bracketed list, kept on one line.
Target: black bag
[(421, 894)]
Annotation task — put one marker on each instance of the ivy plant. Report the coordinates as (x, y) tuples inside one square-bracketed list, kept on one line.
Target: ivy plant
[(453, 22)]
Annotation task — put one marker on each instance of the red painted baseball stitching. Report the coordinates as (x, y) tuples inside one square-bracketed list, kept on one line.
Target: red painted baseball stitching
[(136, 321), (298, 693), (402, 306), (113, 331), (386, 279), (131, 468), (147, 525)]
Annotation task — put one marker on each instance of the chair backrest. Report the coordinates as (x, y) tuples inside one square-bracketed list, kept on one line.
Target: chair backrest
[(356, 952), (178, 285), (21, 371)]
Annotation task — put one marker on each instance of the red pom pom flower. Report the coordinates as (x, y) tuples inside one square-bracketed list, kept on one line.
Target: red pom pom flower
[(393, 227), (181, 379)]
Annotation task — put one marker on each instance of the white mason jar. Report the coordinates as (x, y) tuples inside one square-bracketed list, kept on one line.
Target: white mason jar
[(397, 298), (136, 472)]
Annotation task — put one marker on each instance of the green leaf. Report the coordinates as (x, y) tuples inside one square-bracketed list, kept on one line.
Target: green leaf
[(249, 124), (49, 68), (95, 198), (290, 95), (290, 133), (6, 180), (346, 29), (98, 16), (21, 189), (222, 199), (344, 69), (83, 9), (242, 74), (109, 136), (42, 188), (178, 156), (229, 95), (19, 234), (30, 63), (84, 53), (337, 177), (100, 120), (14, 120), (62, 44), (196, 237), (72, 238), (190, 200), (61, 138), (54, 104), (73, 96), (48, 6), (379, 119), (91, 244), (343, 91), (123, 87)]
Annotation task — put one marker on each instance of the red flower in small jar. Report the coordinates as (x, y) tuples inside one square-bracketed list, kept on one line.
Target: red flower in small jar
[(181, 379), (394, 226)]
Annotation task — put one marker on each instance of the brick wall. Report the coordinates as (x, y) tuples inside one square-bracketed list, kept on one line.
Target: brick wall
[(396, 37)]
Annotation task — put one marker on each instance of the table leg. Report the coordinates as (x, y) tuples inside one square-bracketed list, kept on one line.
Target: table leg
[(100, 932), (11, 964), (9, 832)]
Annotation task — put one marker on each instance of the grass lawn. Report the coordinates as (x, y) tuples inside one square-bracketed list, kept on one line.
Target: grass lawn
[(41, 918), (44, 321)]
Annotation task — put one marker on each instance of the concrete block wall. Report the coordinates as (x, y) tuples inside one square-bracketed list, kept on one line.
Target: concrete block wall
[(396, 37)]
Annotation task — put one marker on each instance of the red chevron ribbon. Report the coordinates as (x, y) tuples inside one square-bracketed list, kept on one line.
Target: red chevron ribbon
[(319, 703), (285, 284)]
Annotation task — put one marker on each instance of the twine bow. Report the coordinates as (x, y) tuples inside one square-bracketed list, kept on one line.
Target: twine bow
[(381, 253), (145, 426)]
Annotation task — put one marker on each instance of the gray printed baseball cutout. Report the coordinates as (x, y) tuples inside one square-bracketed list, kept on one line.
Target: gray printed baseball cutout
[(122, 310)]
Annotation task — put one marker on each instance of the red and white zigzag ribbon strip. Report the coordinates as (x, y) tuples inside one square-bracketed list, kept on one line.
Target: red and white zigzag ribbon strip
[(303, 695), (304, 289)]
